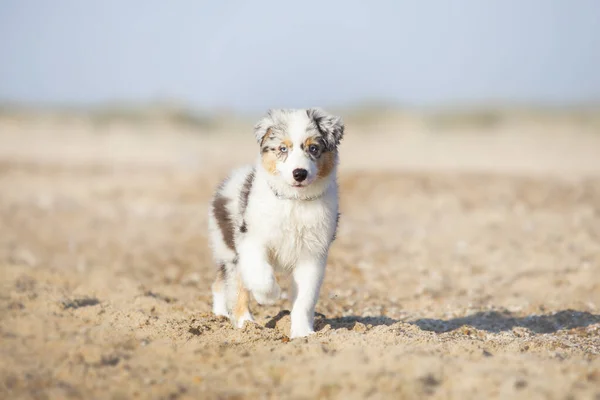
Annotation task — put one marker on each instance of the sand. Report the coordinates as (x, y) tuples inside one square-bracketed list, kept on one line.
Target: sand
[(466, 266)]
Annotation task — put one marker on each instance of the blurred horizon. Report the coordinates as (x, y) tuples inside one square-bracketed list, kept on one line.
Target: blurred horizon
[(245, 58)]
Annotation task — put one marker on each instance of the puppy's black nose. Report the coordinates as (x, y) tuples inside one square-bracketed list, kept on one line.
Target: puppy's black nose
[(300, 174)]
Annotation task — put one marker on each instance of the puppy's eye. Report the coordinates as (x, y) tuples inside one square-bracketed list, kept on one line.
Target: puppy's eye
[(283, 149), (313, 149)]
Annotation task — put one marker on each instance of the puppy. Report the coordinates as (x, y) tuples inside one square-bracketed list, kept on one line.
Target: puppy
[(280, 213)]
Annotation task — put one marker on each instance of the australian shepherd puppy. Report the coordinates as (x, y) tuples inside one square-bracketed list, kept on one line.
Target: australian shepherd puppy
[(280, 213)]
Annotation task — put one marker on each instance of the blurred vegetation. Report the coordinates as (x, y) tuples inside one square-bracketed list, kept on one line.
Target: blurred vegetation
[(489, 118), (364, 115), (175, 116), (114, 114)]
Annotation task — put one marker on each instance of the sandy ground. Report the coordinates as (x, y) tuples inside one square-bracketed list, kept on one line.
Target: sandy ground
[(466, 266)]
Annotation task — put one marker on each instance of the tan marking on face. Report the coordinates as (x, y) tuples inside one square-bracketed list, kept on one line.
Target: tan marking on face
[(288, 143), (269, 162), (326, 163), (309, 141), (243, 300), (270, 158)]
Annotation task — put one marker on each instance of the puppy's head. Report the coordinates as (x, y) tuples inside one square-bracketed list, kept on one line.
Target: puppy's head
[(299, 147)]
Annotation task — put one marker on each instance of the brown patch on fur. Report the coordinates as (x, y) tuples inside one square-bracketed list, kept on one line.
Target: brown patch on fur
[(326, 163), (242, 302), (224, 220)]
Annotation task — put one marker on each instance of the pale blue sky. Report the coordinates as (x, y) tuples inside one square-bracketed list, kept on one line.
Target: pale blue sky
[(250, 55)]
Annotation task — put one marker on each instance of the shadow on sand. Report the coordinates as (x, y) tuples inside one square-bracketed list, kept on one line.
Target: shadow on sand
[(490, 321), (498, 321)]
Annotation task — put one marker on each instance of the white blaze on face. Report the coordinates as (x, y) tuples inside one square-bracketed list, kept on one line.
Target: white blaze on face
[(297, 158)]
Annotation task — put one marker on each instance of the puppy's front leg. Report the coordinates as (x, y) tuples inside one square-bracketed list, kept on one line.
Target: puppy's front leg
[(257, 273), (306, 285)]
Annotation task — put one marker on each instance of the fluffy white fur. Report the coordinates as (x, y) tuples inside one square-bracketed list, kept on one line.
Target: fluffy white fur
[(276, 221)]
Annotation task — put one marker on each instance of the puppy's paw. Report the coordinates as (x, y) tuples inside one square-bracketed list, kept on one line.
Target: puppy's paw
[(247, 317), (301, 332), (267, 295), (219, 309)]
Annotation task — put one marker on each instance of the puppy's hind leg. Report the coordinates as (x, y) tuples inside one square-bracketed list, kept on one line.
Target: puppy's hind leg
[(219, 306), (238, 300)]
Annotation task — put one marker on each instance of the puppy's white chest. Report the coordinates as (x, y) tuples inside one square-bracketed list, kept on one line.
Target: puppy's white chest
[(298, 229)]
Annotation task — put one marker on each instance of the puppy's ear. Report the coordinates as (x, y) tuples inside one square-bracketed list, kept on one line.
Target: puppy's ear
[(330, 126), (263, 126)]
